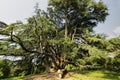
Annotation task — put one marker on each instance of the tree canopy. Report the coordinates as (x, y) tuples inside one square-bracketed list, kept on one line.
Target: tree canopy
[(60, 36)]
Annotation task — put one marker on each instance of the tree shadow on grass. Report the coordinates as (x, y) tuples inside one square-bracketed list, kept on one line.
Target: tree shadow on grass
[(111, 75)]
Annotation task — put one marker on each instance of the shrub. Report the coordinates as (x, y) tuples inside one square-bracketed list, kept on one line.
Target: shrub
[(5, 68)]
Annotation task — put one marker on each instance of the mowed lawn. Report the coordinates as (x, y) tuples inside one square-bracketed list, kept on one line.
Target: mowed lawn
[(96, 75), (83, 75)]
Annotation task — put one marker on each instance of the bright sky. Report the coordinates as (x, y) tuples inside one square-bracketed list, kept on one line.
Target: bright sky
[(13, 10), (111, 26)]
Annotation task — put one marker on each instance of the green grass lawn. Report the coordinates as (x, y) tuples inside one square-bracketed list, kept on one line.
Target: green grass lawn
[(85, 75), (96, 75)]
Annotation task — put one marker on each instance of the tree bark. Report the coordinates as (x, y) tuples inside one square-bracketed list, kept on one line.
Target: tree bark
[(73, 35), (66, 25)]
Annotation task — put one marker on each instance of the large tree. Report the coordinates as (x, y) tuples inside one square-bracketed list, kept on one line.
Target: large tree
[(54, 37)]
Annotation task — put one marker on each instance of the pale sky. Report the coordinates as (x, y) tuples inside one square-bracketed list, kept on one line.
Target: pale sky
[(111, 26), (13, 10)]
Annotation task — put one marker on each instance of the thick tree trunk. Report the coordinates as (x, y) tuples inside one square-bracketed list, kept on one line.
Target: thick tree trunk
[(61, 73), (66, 31), (73, 35), (41, 44), (66, 25), (58, 67)]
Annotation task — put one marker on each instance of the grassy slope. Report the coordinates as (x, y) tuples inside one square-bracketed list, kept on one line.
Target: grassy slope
[(86, 75), (96, 75)]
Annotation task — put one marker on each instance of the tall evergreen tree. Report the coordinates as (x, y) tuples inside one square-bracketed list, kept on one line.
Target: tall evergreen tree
[(55, 36)]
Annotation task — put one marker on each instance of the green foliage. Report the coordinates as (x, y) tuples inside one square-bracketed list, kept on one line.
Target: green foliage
[(115, 42), (49, 39), (79, 13), (99, 41), (116, 61), (70, 67), (5, 68)]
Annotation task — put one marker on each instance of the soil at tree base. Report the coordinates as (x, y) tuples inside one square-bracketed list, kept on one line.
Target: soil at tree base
[(51, 76)]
